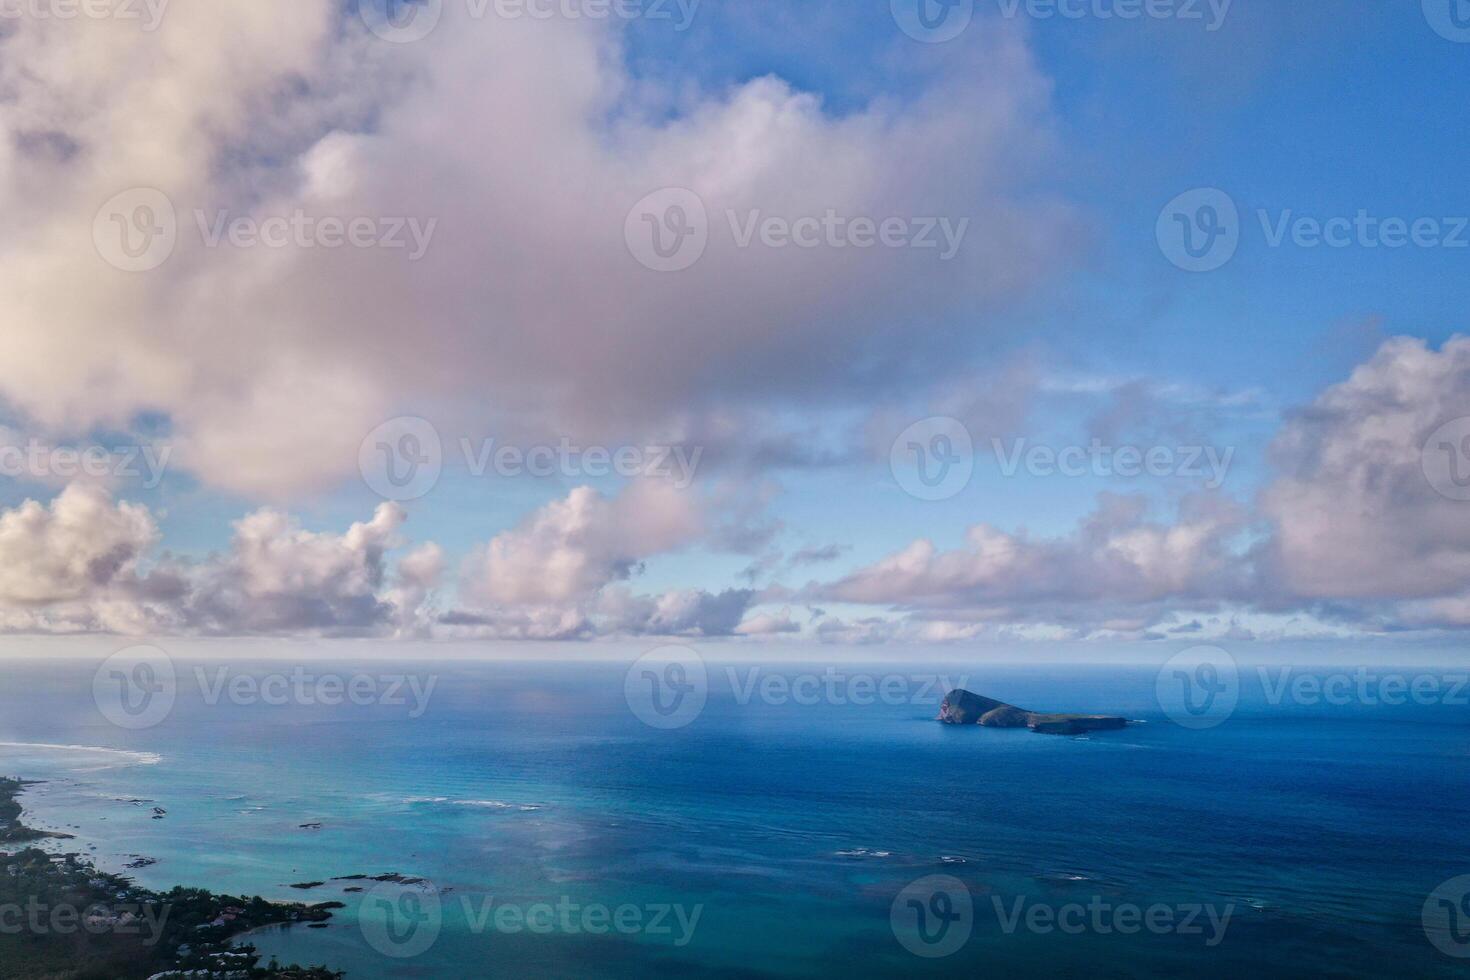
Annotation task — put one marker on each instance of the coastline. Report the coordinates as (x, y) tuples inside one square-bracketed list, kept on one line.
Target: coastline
[(76, 920)]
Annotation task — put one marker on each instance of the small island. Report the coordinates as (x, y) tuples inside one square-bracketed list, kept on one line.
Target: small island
[(962, 707)]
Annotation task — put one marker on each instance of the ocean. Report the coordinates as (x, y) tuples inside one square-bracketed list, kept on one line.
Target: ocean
[(808, 820)]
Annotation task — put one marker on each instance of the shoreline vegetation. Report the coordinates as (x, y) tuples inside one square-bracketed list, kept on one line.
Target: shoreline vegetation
[(63, 919)]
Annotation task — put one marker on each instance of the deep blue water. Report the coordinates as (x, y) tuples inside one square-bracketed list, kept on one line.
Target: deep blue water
[(790, 828)]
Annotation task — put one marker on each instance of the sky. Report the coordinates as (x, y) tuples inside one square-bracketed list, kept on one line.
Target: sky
[(788, 325)]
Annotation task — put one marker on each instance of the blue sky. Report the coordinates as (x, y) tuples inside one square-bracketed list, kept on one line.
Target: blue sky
[(1061, 138)]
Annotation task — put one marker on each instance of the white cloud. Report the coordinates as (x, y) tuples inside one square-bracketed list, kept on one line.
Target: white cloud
[(78, 547), (1354, 519), (85, 563), (1349, 530), (1115, 557), (278, 577), (559, 574), (528, 141), (769, 624), (571, 548)]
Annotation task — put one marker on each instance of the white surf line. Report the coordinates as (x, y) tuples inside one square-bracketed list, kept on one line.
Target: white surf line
[(135, 757)]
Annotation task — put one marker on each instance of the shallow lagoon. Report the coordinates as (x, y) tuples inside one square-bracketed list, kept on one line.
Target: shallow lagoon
[(775, 836)]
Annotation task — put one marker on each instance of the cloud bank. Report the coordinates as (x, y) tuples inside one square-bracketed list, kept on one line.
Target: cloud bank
[(523, 143)]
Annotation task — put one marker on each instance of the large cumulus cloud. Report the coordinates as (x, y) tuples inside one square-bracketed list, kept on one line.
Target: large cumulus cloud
[(1117, 570), (528, 141), (1356, 524), (565, 571), (1349, 529), (86, 563)]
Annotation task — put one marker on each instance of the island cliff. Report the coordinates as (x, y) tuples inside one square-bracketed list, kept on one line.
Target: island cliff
[(961, 707)]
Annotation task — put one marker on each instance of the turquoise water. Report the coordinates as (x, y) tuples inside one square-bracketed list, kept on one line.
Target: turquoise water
[(781, 833)]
